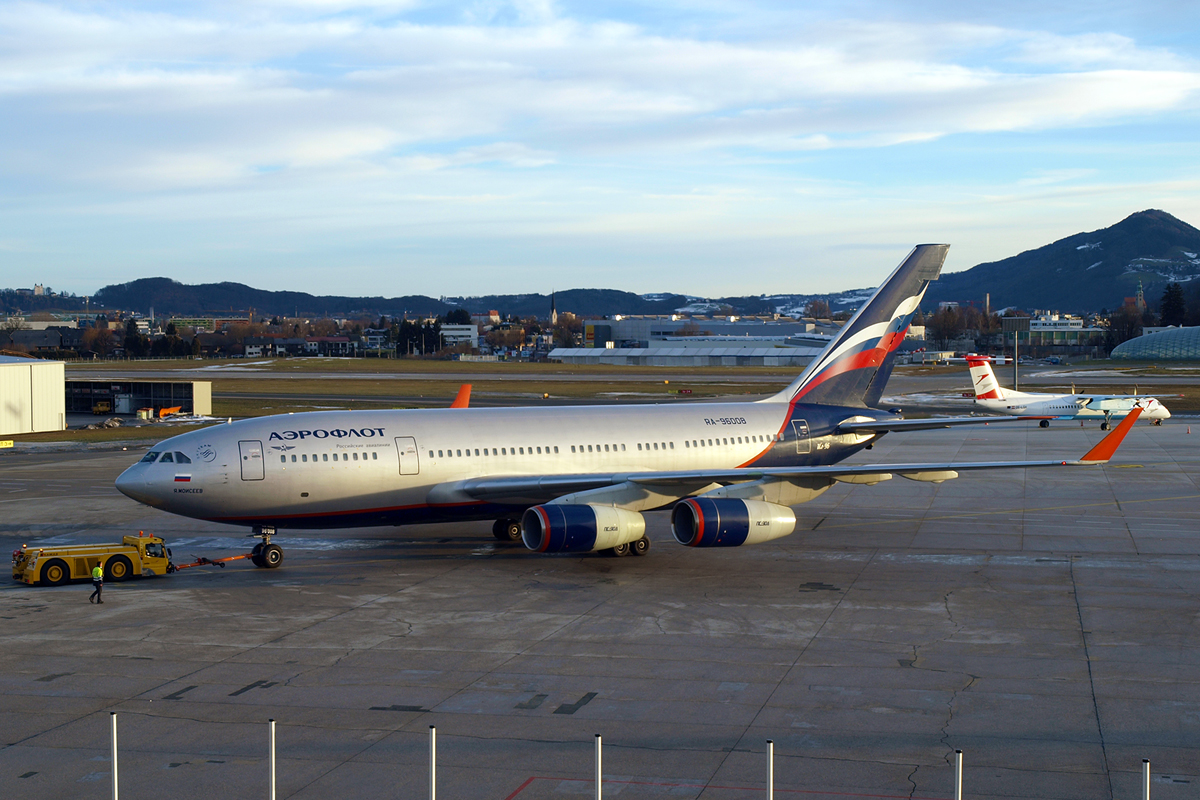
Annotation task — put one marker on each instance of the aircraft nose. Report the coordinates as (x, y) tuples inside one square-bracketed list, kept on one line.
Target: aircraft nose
[(132, 484)]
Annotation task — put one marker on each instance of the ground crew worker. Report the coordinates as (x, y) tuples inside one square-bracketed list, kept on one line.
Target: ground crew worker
[(98, 582)]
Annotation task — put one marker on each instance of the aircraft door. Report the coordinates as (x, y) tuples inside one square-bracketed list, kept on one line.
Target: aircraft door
[(800, 429), (410, 461), (252, 460)]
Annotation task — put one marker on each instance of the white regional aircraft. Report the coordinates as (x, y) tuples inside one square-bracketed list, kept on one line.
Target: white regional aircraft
[(989, 395), (577, 479)]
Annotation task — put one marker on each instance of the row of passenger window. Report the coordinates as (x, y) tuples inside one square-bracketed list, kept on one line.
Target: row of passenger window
[(756, 439), (496, 451), (598, 448), (325, 457)]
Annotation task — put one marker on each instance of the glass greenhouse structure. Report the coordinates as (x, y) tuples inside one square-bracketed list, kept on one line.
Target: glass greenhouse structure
[(1175, 344)]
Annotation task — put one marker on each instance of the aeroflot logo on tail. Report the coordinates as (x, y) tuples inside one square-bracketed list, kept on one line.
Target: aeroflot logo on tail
[(337, 433)]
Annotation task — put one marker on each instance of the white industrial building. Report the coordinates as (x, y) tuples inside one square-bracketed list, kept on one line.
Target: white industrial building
[(32, 396), (713, 356)]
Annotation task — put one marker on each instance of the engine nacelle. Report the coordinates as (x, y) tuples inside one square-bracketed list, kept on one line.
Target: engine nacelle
[(717, 522), (571, 528)]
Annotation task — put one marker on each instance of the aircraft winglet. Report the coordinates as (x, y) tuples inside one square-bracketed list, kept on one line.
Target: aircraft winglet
[(1103, 451), (463, 399)]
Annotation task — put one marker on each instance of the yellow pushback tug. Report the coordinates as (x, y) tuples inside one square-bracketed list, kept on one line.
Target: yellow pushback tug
[(135, 557)]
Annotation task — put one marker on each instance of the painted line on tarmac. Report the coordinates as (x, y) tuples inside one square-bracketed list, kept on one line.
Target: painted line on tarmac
[(707, 786), (990, 514)]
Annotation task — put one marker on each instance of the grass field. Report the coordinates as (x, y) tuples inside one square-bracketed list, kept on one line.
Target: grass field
[(317, 384)]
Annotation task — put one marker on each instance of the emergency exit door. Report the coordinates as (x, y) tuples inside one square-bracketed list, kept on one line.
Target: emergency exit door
[(410, 460), (252, 460), (800, 429)]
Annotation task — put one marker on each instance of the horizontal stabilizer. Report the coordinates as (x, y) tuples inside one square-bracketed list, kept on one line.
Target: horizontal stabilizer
[(885, 425)]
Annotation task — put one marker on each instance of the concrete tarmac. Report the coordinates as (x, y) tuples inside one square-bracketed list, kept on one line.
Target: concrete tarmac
[(1043, 621)]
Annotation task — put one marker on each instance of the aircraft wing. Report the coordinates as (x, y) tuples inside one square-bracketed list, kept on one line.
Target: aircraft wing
[(1101, 397), (932, 423), (540, 489)]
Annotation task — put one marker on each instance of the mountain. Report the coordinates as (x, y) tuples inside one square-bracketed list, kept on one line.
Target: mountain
[(1085, 272), (166, 296), (584, 302), (169, 297)]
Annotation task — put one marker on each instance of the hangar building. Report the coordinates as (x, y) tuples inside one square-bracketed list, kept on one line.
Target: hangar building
[(32, 397), (1169, 344)]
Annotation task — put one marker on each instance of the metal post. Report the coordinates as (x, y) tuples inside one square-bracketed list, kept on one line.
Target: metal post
[(599, 779), (112, 716), (1016, 380), (432, 762), (958, 775), (770, 770), (1145, 779), (271, 757)]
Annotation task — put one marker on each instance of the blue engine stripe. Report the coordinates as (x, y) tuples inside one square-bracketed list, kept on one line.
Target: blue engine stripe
[(572, 528), (726, 522)]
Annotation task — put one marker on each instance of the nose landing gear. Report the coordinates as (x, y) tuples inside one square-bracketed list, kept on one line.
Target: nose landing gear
[(266, 555)]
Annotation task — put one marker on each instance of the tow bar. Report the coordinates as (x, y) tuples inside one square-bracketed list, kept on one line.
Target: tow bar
[(205, 562)]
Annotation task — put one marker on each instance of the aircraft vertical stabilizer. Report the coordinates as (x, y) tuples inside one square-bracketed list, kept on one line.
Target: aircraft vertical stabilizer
[(983, 379), (855, 366)]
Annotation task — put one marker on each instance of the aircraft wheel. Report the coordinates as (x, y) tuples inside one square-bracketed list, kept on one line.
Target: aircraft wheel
[(1045, 423), (117, 569), (507, 530), (256, 555), (640, 547), (272, 556), (620, 551), (1103, 426), (1158, 422), (56, 572)]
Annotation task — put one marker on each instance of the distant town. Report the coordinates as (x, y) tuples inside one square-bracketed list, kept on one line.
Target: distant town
[(690, 335)]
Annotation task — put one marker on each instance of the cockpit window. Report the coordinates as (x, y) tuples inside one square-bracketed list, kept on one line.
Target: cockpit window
[(180, 458), (146, 459), (166, 458)]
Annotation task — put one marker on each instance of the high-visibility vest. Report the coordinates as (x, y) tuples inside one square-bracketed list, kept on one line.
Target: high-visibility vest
[(97, 573)]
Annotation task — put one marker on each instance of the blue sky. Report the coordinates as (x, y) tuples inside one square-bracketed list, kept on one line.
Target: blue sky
[(392, 148)]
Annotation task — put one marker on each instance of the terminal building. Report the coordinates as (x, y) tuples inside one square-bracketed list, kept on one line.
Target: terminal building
[(1166, 344)]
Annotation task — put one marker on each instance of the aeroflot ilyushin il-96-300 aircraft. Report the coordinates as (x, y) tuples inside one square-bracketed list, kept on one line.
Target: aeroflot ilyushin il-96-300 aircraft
[(989, 395), (571, 479)]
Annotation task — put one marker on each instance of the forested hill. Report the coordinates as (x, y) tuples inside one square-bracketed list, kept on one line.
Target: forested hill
[(171, 297), (1085, 272), (166, 296)]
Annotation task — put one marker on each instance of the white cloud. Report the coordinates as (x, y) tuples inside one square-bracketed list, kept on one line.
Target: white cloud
[(348, 116)]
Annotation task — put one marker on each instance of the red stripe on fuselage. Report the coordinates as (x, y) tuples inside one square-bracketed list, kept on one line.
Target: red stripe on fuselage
[(871, 357), (348, 512)]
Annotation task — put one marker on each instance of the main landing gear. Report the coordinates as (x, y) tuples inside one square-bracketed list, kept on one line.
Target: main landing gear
[(265, 554), (507, 530), (638, 548)]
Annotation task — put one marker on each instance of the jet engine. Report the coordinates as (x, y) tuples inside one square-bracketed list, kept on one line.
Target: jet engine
[(572, 528), (720, 522)]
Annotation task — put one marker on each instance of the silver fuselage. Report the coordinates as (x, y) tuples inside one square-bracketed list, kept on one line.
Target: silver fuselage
[(343, 468)]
